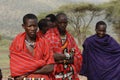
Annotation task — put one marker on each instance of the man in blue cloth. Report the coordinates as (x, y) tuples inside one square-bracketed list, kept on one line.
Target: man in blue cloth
[(101, 56)]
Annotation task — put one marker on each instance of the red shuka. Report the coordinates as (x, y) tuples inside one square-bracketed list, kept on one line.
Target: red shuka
[(21, 60), (53, 37)]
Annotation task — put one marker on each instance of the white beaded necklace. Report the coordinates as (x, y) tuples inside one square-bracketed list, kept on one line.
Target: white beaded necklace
[(63, 39), (31, 44)]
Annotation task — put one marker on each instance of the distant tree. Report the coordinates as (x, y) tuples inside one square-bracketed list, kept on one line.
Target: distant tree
[(0, 37), (112, 10), (80, 16), (42, 15)]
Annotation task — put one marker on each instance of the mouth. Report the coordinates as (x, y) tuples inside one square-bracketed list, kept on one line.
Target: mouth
[(32, 33), (101, 35)]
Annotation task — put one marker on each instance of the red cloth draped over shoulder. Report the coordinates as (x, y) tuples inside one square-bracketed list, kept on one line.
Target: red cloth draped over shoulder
[(54, 39), (21, 61)]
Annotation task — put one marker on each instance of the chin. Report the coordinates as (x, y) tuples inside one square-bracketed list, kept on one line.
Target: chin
[(33, 36), (102, 36)]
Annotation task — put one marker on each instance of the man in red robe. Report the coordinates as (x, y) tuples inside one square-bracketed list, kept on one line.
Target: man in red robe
[(30, 55), (66, 53)]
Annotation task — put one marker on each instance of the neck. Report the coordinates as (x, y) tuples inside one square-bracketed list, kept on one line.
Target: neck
[(30, 39), (62, 33)]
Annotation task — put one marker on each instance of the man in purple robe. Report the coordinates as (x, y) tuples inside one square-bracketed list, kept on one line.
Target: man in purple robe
[(101, 56)]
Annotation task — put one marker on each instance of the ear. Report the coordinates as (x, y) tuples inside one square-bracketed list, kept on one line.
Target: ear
[(95, 29), (23, 26)]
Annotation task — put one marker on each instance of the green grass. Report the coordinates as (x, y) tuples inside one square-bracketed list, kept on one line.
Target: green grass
[(4, 62), (4, 59), (4, 44)]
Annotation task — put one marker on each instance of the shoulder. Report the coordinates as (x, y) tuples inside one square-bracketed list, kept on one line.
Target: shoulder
[(69, 35), (20, 35), (42, 41), (17, 41), (111, 39), (51, 35), (89, 40)]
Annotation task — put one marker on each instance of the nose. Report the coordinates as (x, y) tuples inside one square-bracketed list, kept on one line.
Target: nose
[(62, 24), (33, 27)]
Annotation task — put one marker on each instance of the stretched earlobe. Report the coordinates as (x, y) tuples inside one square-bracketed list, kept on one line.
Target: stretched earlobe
[(23, 26)]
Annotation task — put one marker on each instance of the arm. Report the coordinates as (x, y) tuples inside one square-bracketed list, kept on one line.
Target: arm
[(77, 56), (85, 59), (61, 58), (51, 38), (45, 70), (20, 61), (58, 57), (48, 58)]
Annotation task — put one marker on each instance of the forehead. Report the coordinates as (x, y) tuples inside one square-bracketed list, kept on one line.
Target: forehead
[(62, 18), (48, 18), (31, 21), (101, 27)]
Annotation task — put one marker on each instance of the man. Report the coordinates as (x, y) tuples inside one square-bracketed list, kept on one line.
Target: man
[(52, 19), (66, 53), (47, 25), (44, 26), (0, 74), (101, 56), (28, 57)]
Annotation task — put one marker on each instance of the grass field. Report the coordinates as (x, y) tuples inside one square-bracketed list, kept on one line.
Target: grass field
[(4, 62)]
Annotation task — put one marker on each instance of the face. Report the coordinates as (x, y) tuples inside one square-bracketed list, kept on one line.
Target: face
[(50, 23), (46, 28), (62, 23), (31, 27), (101, 30)]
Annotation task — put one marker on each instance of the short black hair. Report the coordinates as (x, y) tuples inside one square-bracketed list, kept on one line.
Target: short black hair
[(52, 17), (100, 23), (29, 16), (42, 23), (59, 14)]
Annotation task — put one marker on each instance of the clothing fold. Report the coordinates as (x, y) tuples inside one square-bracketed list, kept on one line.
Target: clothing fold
[(22, 61), (101, 58)]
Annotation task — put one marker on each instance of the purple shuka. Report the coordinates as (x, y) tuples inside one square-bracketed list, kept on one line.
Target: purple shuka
[(101, 58)]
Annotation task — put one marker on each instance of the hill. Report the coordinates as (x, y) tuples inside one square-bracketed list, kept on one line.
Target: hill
[(12, 11)]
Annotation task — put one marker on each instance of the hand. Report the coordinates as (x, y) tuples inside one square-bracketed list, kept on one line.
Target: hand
[(21, 77), (59, 57), (70, 61), (67, 56), (60, 62)]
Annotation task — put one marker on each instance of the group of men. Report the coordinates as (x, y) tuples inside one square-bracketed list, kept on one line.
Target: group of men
[(48, 54), (51, 53)]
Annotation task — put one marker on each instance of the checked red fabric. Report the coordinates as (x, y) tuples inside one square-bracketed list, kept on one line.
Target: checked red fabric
[(54, 39)]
